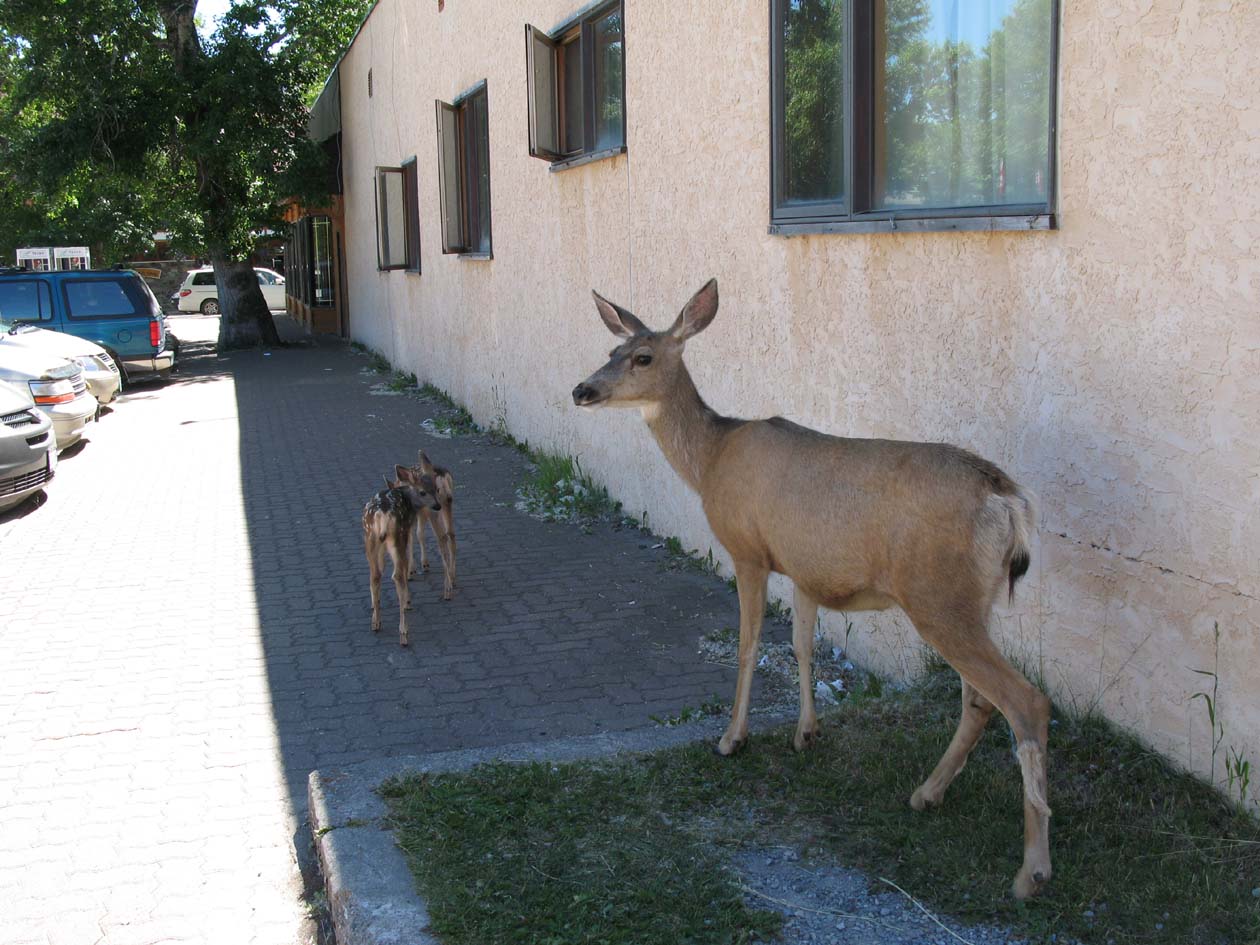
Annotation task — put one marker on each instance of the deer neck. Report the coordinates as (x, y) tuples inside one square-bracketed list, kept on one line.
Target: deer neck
[(687, 430)]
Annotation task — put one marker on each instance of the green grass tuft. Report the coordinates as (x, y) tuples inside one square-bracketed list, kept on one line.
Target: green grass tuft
[(558, 489)]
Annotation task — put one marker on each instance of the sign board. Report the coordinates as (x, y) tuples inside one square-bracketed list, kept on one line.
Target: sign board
[(38, 258), (72, 257)]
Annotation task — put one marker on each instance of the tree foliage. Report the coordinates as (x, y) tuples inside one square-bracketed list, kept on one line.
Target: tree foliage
[(118, 117)]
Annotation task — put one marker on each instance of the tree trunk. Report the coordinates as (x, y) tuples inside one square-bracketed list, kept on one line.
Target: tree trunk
[(244, 319)]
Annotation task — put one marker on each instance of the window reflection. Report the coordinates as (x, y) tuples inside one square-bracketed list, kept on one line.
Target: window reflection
[(962, 102)]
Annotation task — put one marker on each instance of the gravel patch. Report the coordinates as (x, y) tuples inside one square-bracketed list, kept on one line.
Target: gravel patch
[(825, 904)]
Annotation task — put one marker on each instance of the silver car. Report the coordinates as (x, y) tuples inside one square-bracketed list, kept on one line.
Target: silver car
[(28, 448), (57, 387), (99, 370)]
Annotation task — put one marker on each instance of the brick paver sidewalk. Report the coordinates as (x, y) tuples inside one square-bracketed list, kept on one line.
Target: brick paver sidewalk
[(184, 635)]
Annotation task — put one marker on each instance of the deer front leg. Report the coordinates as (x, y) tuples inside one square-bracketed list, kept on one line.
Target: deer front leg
[(804, 615), (420, 540), (751, 583), (399, 556), (446, 548)]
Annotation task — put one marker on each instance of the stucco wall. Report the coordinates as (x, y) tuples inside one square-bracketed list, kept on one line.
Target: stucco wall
[(1112, 366)]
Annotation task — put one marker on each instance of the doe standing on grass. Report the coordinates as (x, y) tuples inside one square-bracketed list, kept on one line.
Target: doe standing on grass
[(857, 524)]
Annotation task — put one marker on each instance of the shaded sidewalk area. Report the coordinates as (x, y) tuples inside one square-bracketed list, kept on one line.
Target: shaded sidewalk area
[(187, 637)]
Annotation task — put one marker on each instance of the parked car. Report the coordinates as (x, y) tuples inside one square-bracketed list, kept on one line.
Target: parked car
[(113, 308), (198, 293), (57, 387), (99, 370), (28, 448)]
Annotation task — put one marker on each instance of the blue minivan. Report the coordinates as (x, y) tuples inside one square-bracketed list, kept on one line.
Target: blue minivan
[(113, 307)]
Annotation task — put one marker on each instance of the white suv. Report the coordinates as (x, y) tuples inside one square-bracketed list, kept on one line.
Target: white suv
[(199, 294)]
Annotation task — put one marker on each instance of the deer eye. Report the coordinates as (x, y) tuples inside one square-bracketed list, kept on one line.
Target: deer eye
[(643, 359)]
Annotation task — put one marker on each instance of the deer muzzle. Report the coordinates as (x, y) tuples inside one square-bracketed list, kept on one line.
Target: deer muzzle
[(585, 396)]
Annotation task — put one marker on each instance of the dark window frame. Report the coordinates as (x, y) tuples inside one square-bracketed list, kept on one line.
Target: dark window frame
[(382, 217), (143, 309), (43, 293), (411, 210), (461, 157), (853, 214), (579, 29)]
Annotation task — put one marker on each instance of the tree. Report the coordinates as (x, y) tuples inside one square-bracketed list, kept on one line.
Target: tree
[(120, 110)]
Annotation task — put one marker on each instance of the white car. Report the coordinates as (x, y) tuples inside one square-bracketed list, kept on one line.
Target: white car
[(28, 447), (198, 292), (99, 370), (57, 387)]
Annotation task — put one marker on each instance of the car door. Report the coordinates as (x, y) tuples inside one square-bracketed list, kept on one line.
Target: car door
[(272, 288)]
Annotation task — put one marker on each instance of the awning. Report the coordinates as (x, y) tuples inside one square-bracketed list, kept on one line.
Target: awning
[(325, 120)]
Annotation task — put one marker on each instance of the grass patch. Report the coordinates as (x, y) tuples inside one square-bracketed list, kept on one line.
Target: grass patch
[(1142, 853), (454, 420), (557, 489), (399, 381), (708, 709), (563, 854)]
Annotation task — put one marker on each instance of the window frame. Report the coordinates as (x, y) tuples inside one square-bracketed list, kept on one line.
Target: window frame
[(141, 310), (462, 156), (382, 217), (43, 292), (411, 213), (854, 214), (580, 29)]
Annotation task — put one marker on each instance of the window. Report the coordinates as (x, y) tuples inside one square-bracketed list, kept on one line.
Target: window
[(309, 264), (576, 79), (25, 300), (912, 114), (320, 256), (106, 298), (397, 218), (203, 278), (463, 134)]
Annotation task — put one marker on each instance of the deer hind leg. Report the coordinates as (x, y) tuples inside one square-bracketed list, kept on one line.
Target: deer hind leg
[(976, 711), (398, 551), (751, 582), (376, 564), (804, 615), (1027, 710)]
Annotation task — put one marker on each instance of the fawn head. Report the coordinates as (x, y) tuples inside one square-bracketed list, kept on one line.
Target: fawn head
[(642, 370), (419, 486)]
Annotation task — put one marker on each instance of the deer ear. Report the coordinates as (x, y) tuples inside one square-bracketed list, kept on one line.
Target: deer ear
[(621, 323), (403, 473), (425, 464), (697, 313)]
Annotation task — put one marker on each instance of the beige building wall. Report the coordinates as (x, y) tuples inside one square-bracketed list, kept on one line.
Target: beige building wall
[(1112, 366)]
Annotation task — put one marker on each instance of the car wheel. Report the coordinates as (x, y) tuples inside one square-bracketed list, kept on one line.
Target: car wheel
[(210, 307)]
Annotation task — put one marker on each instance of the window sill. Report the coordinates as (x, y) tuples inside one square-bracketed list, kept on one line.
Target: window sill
[(475, 256), (580, 159), (1037, 221)]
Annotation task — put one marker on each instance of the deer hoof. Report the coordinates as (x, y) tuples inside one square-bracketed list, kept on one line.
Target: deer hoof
[(729, 746), (1029, 881), (922, 798), (804, 741)]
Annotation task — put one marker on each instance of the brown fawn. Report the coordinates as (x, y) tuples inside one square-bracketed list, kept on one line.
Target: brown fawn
[(442, 523), (388, 520), (856, 524)]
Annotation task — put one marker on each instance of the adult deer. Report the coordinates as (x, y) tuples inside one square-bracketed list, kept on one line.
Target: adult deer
[(857, 524)]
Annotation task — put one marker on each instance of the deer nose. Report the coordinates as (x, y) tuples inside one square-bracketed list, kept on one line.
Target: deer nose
[(582, 393)]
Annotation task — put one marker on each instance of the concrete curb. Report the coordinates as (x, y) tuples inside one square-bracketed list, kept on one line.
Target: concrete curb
[(371, 893)]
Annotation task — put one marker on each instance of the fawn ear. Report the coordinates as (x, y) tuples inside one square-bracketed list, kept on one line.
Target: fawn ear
[(621, 323), (697, 313), (425, 465), (403, 473)]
